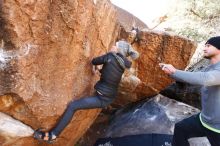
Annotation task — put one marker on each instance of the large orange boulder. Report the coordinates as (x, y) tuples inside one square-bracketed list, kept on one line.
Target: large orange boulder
[(158, 48), (146, 78), (45, 54)]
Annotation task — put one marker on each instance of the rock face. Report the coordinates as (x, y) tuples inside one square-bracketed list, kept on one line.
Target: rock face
[(12, 128), (45, 54), (146, 79), (156, 48), (127, 20), (158, 115)]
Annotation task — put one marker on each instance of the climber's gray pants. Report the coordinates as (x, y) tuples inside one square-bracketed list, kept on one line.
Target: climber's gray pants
[(97, 101)]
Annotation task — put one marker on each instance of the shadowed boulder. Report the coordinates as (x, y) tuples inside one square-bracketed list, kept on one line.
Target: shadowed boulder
[(158, 115)]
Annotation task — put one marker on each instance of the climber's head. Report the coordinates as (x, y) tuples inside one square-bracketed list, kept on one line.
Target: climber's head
[(133, 35), (126, 49)]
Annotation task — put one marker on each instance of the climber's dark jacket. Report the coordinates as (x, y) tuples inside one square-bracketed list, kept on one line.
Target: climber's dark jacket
[(111, 72)]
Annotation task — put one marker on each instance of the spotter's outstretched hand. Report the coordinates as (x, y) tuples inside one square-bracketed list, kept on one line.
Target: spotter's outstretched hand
[(167, 68)]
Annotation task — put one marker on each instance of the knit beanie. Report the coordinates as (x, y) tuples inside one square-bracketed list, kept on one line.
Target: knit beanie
[(126, 49), (214, 41)]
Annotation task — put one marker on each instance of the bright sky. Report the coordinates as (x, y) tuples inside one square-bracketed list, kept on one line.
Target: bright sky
[(146, 10)]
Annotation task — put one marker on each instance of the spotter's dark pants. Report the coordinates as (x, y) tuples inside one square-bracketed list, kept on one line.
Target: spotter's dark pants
[(192, 127)]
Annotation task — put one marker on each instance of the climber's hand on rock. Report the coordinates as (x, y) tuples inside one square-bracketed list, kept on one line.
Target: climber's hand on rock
[(96, 69)]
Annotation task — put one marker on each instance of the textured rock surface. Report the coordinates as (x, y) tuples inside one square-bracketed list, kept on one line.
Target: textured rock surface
[(141, 118), (45, 54), (199, 141), (12, 128), (158, 115), (154, 48), (160, 47), (128, 21)]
